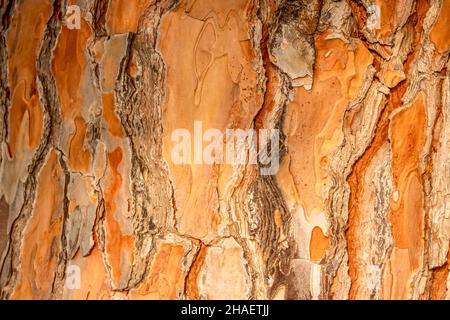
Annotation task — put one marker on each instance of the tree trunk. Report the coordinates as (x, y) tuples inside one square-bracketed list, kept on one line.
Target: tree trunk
[(95, 205)]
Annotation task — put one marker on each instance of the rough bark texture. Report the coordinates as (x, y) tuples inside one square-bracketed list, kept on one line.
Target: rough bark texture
[(360, 208)]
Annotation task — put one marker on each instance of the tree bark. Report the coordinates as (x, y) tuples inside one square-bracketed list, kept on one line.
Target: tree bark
[(359, 207)]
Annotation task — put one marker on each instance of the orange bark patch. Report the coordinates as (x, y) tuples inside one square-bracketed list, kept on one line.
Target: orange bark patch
[(93, 277), (79, 158), (192, 279), (407, 133), (113, 121), (123, 15), (41, 241), (277, 218), (119, 246), (440, 33), (23, 42), (314, 119), (388, 21), (220, 57), (69, 66), (439, 285), (166, 278), (318, 244)]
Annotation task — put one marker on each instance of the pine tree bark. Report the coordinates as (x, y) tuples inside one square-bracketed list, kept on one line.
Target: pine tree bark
[(360, 205)]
